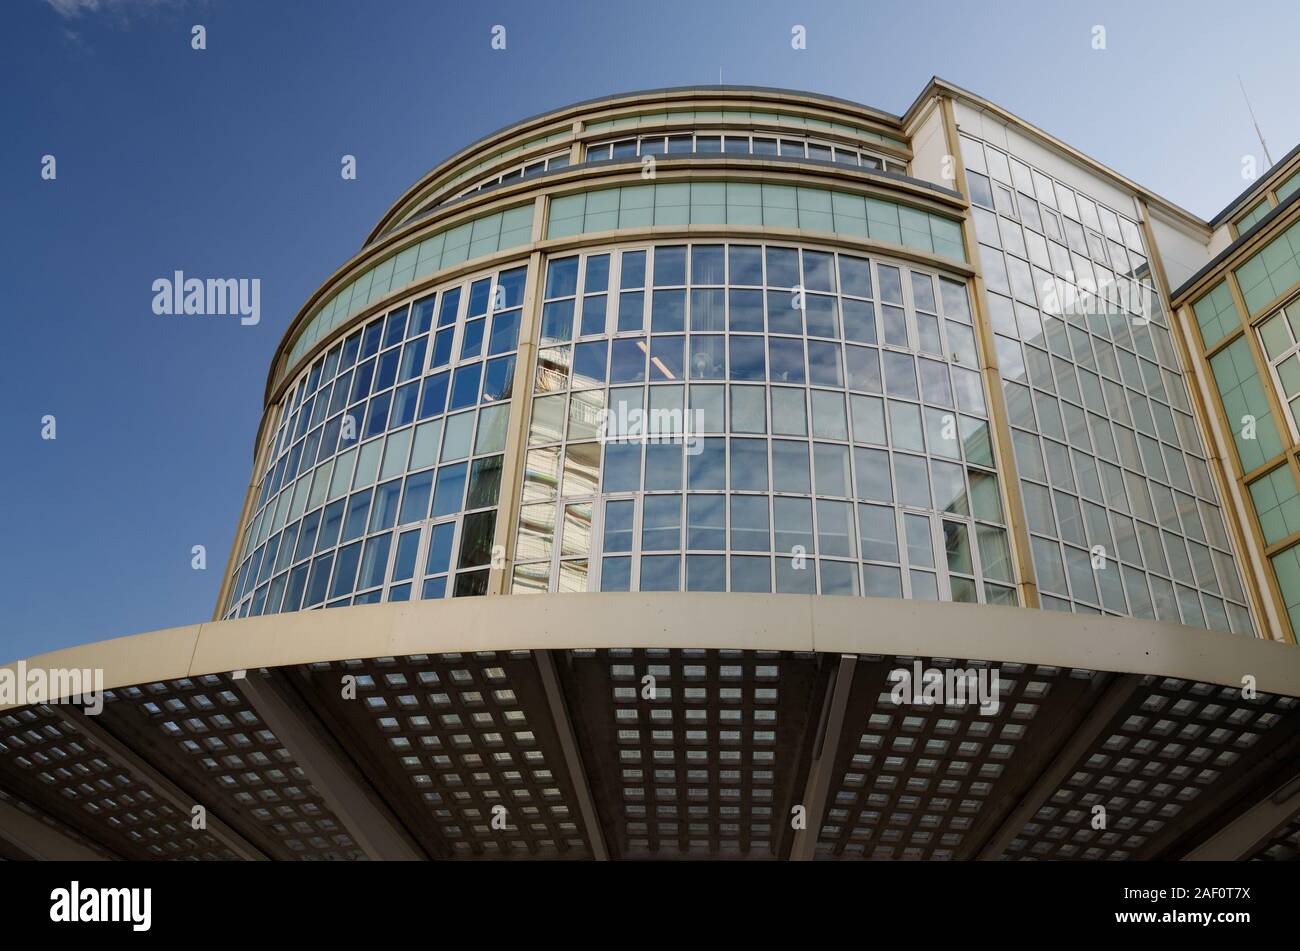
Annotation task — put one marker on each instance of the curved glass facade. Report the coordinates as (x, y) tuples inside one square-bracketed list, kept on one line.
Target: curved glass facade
[(477, 238), (744, 376), (758, 417), (705, 117), (384, 479), (755, 205), (716, 142)]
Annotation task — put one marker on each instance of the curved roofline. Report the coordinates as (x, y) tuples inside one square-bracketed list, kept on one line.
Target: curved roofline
[(1049, 701), (910, 190), (649, 95), (786, 622), (785, 98), (703, 158)]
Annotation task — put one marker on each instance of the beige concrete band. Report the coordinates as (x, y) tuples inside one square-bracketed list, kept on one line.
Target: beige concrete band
[(789, 622)]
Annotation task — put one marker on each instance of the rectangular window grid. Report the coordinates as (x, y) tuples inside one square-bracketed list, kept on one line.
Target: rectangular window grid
[(1121, 507)]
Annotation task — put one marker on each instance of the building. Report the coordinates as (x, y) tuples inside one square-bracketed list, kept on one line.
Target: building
[(691, 352)]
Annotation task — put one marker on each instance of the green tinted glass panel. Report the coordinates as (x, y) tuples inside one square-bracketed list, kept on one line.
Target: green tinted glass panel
[(477, 238), (1253, 428), (1277, 504), (1286, 567), (1273, 269), (1257, 211), (1288, 186), (771, 206), (1273, 333), (1216, 315)]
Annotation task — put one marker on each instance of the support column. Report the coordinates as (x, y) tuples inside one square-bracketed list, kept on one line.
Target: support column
[(1003, 449), (145, 773), (820, 773), (1108, 705), (1241, 837), (375, 831), (521, 399), (572, 756), (39, 840)]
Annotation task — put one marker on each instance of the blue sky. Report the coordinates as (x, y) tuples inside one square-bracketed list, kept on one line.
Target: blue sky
[(225, 163)]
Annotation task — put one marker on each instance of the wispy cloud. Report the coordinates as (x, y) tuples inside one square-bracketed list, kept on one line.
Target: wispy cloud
[(72, 9), (76, 15)]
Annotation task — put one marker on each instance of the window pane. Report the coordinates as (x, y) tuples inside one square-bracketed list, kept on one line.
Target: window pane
[(749, 464), (622, 467), (881, 581), (661, 523), (751, 574), (749, 523), (618, 525), (831, 464), (790, 472), (793, 522), (706, 573), (920, 544), (476, 539), (835, 534), (660, 572), (706, 522), (450, 490), (747, 362)]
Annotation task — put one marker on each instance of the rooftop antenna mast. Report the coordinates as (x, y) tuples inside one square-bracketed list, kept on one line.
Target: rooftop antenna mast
[(1255, 121)]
